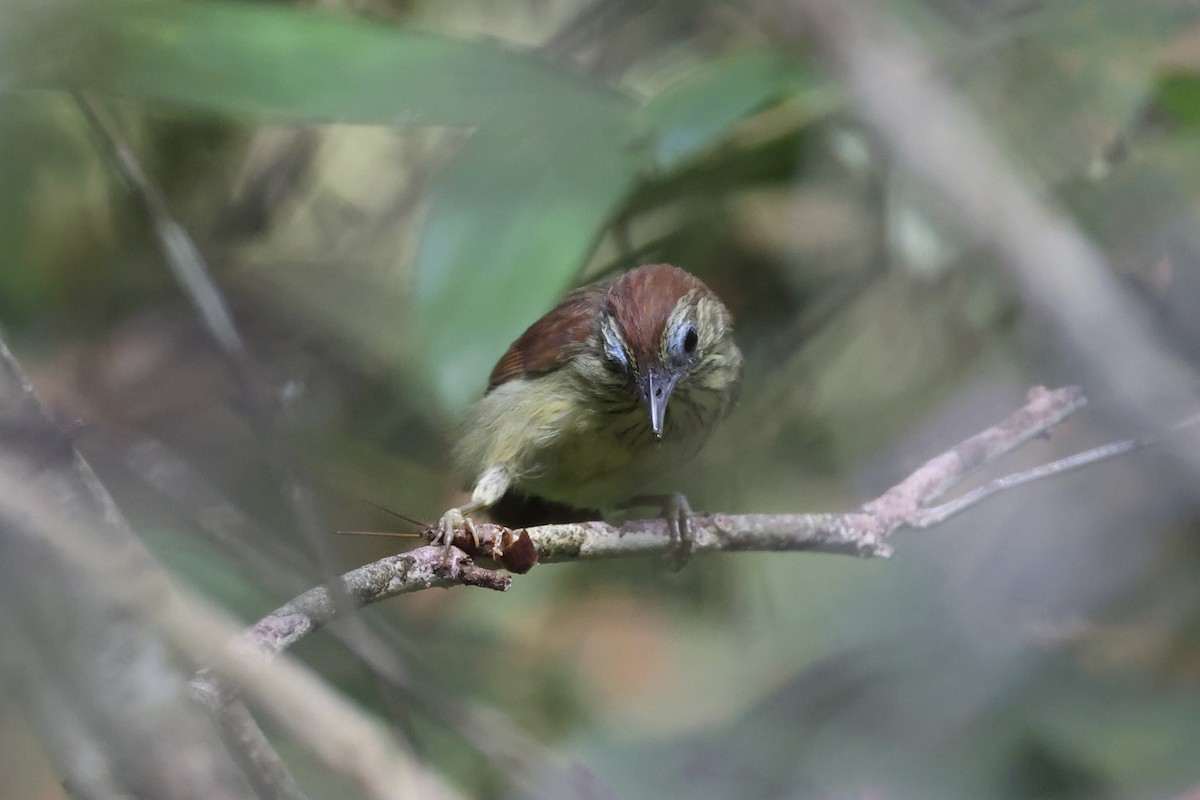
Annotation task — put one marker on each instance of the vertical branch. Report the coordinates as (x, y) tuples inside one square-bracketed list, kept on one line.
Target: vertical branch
[(112, 623), (192, 274), (139, 731), (195, 278), (1061, 273), (264, 768)]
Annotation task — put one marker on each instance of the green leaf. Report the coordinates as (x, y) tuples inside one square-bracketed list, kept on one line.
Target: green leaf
[(511, 224), (1179, 95), (690, 116), (36, 142), (265, 60), (515, 218)]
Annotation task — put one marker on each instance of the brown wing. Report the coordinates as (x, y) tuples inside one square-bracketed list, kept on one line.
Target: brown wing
[(552, 339)]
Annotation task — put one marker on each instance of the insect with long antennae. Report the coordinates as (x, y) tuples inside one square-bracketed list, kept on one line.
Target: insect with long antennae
[(392, 534)]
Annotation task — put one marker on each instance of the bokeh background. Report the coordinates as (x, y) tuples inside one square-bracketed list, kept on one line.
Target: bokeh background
[(387, 192)]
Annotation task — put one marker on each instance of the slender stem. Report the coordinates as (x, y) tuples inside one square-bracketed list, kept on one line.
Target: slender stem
[(1107, 452), (862, 533), (194, 277)]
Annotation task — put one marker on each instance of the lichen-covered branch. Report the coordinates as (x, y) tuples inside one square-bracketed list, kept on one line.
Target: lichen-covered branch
[(863, 532), (424, 568)]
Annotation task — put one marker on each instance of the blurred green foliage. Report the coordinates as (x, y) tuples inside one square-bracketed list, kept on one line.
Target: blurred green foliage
[(551, 156), (33, 146), (387, 204), (1179, 96)]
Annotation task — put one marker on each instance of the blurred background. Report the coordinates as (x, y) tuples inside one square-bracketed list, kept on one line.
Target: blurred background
[(387, 192)]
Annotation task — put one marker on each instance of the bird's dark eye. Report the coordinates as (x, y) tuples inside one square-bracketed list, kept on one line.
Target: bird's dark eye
[(690, 340)]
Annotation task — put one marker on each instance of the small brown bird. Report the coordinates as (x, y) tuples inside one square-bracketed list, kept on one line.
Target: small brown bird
[(603, 397)]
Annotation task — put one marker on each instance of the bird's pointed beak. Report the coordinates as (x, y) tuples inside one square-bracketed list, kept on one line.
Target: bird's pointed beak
[(656, 391)]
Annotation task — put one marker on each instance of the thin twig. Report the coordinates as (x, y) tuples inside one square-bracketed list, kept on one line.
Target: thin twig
[(860, 533), (63, 538), (863, 532), (945, 511), (347, 739), (423, 568), (85, 547), (493, 734), (195, 278), (262, 766)]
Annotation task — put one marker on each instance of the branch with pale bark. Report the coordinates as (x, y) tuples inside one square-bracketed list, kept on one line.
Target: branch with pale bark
[(911, 503), (87, 601)]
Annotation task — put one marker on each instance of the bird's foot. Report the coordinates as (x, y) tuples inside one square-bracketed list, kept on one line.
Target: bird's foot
[(452, 523), (683, 533), (678, 514)]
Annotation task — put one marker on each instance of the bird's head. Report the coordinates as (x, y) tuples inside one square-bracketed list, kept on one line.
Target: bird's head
[(666, 333)]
